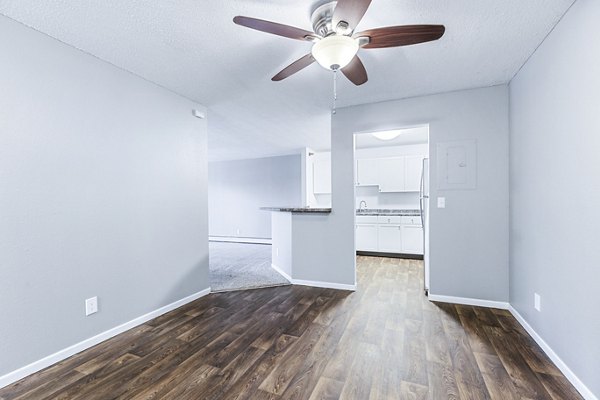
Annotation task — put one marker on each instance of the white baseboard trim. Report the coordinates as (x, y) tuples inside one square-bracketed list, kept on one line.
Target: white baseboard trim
[(579, 385), (36, 366), (575, 381), (326, 285), (469, 302), (281, 272), (230, 239)]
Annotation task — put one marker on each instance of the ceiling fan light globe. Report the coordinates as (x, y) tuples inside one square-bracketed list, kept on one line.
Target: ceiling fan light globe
[(335, 51)]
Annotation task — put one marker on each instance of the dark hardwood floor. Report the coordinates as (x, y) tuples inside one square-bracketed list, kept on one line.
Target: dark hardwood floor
[(385, 341)]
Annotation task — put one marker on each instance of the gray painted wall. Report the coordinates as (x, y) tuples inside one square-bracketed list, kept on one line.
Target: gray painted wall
[(469, 238), (237, 189), (281, 250), (555, 191), (102, 193)]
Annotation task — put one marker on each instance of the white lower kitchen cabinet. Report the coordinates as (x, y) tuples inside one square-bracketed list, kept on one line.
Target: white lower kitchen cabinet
[(412, 239), (366, 237), (389, 234), (390, 238)]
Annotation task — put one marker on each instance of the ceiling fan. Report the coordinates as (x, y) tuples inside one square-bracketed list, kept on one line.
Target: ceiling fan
[(335, 44)]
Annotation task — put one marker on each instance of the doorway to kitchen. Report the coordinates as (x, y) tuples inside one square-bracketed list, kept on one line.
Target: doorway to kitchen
[(391, 195)]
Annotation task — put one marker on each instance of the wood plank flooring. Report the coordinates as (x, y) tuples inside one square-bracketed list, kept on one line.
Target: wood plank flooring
[(384, 341)]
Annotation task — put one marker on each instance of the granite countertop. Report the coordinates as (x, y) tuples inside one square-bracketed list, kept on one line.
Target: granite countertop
[(298, 210), (382, 211)]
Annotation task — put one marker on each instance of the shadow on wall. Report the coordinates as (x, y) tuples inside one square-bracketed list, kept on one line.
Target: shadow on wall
[(188, 283)]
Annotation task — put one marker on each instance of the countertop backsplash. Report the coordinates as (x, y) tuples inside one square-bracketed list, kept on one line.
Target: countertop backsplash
[(375, 199), (388, 212), (394, 201)]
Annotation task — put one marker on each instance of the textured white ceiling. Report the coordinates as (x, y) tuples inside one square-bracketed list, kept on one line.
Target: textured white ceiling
[(193, 48)]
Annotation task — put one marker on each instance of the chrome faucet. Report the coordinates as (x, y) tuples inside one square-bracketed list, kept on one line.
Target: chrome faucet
[(360, 207)]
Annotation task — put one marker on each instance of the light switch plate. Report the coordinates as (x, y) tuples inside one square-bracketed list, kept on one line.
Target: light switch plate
[(537, 302), (441, 202), (91, 306)]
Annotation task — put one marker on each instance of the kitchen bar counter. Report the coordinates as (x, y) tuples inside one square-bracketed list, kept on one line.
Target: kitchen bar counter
[(380, 211), (298, 210), (301, 244)]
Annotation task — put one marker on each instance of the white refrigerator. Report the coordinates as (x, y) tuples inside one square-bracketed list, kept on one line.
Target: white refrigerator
[(424, 209)]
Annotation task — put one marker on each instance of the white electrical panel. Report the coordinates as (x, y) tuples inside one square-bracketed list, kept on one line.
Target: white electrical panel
[(457, 165)]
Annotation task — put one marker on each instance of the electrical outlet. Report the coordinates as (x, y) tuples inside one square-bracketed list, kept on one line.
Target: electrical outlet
[(237, 232), (537, 302), (91, 306), (441, 202)]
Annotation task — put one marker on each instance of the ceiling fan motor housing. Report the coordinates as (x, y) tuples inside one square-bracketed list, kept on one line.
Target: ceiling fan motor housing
[(321, 19)]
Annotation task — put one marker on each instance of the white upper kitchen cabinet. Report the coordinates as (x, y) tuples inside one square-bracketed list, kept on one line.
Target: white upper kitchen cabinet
[(367, 171), (392, 173), (413, 167), (322, 174)]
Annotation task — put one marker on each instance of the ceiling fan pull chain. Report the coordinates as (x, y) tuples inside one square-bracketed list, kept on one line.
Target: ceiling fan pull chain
[(333, 111)]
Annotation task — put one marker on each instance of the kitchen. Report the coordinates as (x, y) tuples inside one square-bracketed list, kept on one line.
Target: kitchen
[(391, 183)]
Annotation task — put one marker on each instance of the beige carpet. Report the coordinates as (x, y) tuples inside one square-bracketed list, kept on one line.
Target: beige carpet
[(240, 266)]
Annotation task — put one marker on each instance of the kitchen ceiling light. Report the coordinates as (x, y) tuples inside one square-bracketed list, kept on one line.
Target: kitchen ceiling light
[(335, 51), (386, 135)]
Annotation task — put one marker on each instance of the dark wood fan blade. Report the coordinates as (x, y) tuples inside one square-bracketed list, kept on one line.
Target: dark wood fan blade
[(294, 67), (356, 72), (394, 36), (350, 11), (274, 28)]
